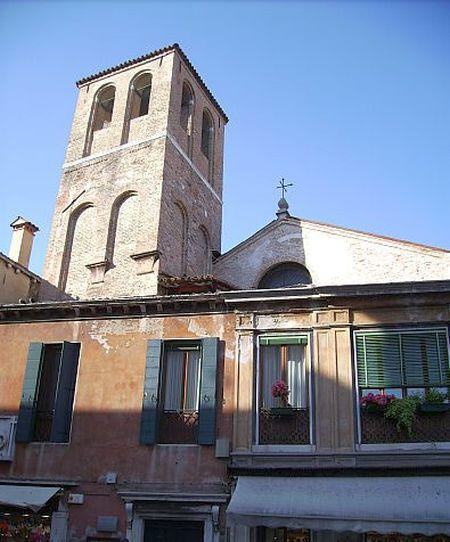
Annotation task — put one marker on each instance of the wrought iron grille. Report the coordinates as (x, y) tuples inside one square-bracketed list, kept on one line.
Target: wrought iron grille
[(178, 427), (293, 429), (376, 429)]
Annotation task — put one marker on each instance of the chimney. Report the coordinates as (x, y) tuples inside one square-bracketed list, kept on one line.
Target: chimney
[(22, 240)]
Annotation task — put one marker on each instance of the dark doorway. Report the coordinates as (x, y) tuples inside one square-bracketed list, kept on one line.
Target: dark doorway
[(173, 531)]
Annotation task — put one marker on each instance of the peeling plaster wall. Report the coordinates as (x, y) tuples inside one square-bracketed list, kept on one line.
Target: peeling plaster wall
[(107, 411), (332, 255)]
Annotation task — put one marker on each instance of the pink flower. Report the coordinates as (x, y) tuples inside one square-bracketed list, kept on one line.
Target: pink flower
[(381, 399), (280, 389)]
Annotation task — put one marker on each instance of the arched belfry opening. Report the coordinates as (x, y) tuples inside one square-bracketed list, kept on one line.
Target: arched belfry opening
[(101, 114), (285, 275)]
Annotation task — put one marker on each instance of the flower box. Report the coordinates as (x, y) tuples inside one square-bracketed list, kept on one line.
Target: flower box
[(282, 411), (434, 408), (372, 408)]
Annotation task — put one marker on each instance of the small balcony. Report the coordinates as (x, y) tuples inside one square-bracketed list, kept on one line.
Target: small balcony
[(291, 427), (178, 427), (428, 427)]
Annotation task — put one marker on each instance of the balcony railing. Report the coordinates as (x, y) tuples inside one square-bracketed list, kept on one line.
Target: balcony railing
[(178, 427), (284, 429), (376, 429)]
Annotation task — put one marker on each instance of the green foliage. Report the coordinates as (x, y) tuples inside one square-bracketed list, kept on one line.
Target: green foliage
[(403, 412), (434, 396)]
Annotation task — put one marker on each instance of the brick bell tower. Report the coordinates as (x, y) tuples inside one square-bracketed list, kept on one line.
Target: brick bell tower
[(141, 189)]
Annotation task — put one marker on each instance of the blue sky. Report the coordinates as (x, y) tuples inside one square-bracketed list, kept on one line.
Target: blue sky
[(350, 101)]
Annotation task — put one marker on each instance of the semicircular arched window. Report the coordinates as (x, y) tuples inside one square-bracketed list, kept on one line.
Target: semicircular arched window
[(285, 275)]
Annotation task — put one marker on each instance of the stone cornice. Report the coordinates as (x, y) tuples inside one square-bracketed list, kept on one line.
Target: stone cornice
[(405, 294)]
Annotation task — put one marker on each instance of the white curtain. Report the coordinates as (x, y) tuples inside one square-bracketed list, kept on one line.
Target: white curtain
[(173, 385), (271, 370), (192, 384), (296, 376)]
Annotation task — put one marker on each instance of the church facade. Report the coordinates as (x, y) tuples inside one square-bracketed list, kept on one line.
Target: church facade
[(154, 389)]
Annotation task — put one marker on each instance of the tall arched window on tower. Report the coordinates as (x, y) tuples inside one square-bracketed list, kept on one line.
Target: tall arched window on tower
[(101, 115), (140, 90), (207, 145), (112, 228), (138, 103), (205, 246), (104, 108), (187, 113), (73, 272)]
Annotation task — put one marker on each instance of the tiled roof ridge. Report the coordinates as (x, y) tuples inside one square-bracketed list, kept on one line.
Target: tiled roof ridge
[(153, 54)]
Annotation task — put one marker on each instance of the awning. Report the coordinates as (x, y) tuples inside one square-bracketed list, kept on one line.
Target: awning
[(32, 497), (407, 505)]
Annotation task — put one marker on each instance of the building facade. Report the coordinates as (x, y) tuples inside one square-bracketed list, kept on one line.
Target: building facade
[(292, 389)]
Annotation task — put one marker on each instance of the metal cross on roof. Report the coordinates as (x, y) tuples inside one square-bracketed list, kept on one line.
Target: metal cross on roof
[(283, 187)]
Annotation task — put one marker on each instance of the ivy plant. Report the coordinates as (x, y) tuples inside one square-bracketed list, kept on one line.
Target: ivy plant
[(403, 412)]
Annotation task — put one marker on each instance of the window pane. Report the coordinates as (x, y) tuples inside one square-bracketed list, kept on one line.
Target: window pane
[(396, 392), (271, 372), (192, 383), (173, 382), (415, 392), (47, 391), (366, 392), (296, 376)]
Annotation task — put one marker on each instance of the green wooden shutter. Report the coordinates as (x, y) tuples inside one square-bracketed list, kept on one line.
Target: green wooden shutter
[(207, 409), (27, 411), (416, 359), (65, 391), (149, 416), (379, 360)]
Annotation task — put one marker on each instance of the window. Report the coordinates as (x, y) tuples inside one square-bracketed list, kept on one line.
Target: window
[(284, 422), (45, 413), (285, 275), (140, 95), (104, 107), (179, 404), (207, 135), (181, 378), (187, 108), (283, 359), (402, 362)]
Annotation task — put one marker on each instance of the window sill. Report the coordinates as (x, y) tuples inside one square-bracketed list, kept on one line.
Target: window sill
[(47, 442), (190, 445), (282, 448), (405, 446)]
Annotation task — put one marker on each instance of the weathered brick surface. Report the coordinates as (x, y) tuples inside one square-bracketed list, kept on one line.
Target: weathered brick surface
[(332, 255), (150, 159)]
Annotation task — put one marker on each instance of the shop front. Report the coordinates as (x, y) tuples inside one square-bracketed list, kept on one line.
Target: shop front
[(30, 514), (340, 509)]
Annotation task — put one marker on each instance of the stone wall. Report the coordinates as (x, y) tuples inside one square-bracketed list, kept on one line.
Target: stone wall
[(332, 255)]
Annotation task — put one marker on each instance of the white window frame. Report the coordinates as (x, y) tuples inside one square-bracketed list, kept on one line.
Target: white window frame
[(290, 448), (407, 446)]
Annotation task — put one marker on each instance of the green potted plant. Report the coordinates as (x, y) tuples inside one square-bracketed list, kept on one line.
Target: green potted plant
[(281, 392), (434, 402), (403, 412)]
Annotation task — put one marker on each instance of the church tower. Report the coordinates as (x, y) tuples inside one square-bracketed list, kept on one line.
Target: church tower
[(141, 188)]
